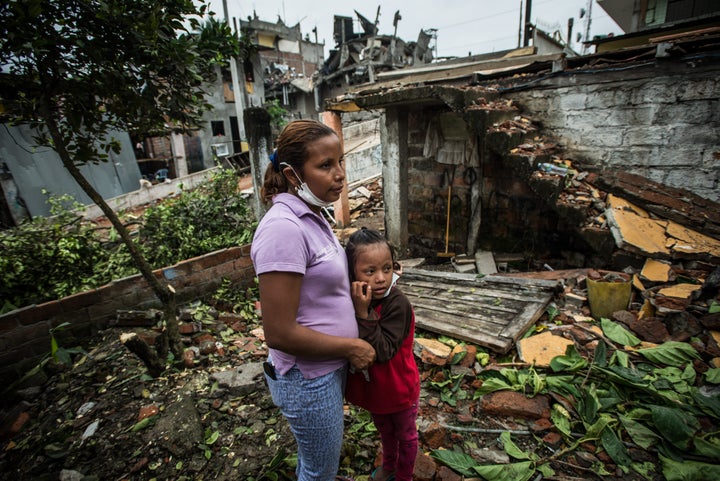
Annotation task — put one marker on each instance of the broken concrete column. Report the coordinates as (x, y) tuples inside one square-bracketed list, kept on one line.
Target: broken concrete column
[(260, 140), (394, 138), (342, 206)]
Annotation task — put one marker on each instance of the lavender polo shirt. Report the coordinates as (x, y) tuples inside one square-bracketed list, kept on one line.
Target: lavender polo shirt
[(292, 238)]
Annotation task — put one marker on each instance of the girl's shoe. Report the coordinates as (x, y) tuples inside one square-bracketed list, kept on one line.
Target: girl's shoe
[(389, 478)]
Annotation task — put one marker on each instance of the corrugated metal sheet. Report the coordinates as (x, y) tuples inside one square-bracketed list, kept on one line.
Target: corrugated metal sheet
[(36, 169)]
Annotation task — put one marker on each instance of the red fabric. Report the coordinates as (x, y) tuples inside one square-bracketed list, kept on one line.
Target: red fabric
[(394, 385)]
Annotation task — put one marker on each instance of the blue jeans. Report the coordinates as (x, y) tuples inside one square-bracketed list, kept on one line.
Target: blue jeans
[(314, 411)]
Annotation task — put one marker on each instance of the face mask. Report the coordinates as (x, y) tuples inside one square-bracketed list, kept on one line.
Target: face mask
[(395, 278), (306, 194)]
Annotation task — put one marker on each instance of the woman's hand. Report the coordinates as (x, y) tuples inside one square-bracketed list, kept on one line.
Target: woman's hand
[(361, 296), (361, 355)]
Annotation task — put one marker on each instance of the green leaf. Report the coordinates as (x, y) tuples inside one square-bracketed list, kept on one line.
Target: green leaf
[(142, 424), (561, 419), (595, 430), (210, 438), (457, 461), (618, 333), (713, 375), (675, 425), (572, 361), (639, 433), (714, 307), (513, 450), (688, 470), (600, 357), (615, 448), (506, 472), (671, 353), (708, 447), (492, 385)]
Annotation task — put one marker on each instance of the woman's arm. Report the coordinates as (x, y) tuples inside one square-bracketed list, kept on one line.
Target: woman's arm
[(280, 298)]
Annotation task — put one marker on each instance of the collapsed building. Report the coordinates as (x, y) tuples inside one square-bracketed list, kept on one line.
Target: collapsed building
[(524, 152)]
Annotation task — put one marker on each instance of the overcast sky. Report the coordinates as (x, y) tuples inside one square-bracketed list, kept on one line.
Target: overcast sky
[(463, 26)]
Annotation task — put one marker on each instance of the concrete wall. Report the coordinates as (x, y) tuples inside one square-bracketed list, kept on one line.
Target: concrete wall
[(662, 125), (363, 152), (24, 333), (146, 195)]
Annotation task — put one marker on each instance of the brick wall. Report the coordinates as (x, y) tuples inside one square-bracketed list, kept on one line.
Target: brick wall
[(25, 333), (660, 124)]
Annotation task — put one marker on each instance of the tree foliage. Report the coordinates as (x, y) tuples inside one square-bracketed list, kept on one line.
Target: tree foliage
[(77, 70), (70, 254)]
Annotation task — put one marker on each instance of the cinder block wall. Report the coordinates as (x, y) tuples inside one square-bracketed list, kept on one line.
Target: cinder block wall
[(660, 123), (25, 333)]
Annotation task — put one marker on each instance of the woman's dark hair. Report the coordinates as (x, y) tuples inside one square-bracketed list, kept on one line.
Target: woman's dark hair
[(291, 149), (362, 238)]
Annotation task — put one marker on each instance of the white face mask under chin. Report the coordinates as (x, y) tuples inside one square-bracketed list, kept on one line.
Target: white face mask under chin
[(306, 194)]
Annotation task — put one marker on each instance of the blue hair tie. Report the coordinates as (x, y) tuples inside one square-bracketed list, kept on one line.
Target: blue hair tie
[(274, 161)]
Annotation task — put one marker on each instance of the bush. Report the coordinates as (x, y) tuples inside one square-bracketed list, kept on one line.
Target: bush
[(209, 218), (46, 258)]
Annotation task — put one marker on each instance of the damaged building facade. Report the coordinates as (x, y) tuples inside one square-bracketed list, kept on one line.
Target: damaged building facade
[(473, 142)]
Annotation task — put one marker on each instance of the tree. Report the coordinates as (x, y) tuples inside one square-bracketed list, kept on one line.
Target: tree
[(76, 70)]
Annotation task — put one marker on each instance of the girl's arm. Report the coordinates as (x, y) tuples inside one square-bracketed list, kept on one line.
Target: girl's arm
[(280, 298), (387, 334)]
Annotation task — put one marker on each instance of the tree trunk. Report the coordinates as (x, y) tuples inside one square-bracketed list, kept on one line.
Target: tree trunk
[(165, 293)]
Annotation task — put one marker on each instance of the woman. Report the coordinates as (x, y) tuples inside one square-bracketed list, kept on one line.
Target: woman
[(308, 315)]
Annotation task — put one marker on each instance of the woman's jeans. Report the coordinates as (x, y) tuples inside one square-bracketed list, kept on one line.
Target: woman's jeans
[(399, 436), (314, 411)]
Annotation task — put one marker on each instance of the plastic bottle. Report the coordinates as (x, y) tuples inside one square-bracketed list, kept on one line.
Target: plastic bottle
[(553, 169)]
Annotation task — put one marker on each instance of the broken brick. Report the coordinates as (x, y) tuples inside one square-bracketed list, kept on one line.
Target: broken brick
[(447, 474), (434, 435), (515, 404), (148, 411), (432, 351), (425, 468)]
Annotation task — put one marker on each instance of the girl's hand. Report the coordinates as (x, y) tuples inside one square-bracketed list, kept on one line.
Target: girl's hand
[(361, 297)]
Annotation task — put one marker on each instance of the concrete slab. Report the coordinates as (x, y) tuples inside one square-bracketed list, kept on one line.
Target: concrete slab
[(485, 263), (242, 380)]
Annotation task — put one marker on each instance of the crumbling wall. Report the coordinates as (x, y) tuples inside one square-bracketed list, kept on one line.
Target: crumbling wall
[(25, 332), (508, 208), (656, 122)]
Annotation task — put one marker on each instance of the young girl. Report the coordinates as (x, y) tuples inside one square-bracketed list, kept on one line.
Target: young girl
[(305, 295), (391, 387)]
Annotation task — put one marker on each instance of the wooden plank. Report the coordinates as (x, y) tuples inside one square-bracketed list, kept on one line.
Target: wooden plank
[(439, 323), (492, 312), (484, 292)]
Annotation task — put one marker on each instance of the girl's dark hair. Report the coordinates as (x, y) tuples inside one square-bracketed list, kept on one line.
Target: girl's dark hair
[(291, 149), (361, 238)]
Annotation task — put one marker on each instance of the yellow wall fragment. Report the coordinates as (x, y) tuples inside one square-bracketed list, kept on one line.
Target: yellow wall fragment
[(681, 291), (690, 241), (656, 271), (542, 348), (645, 234), (647, 310), (615, 202)]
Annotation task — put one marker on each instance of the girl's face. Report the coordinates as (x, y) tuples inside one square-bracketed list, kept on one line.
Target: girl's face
[(324, 168), (374, 265)]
